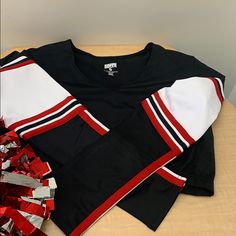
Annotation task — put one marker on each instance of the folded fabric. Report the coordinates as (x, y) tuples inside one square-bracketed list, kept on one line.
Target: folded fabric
[(137, 151)]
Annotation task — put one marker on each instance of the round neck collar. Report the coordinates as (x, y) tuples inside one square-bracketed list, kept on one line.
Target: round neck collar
[(149, 47)]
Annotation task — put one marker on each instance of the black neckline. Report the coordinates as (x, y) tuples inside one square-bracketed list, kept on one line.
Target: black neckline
[(150, 46)]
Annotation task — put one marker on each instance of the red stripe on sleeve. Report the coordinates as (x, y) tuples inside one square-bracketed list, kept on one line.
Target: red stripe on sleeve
[(158, 127), (55, 124), (172, 119), (20, 64), (42, 114), (171, 178), (217, 89)]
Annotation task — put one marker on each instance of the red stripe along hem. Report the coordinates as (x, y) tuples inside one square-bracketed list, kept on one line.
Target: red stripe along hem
[(122, 192), (136, 180)]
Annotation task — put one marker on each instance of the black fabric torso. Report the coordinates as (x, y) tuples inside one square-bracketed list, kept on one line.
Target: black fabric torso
[(112, 99), (89, 167)]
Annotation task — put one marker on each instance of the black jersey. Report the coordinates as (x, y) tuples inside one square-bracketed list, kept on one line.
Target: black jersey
[(131, 130)]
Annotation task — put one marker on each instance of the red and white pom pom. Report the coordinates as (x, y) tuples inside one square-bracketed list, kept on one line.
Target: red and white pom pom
[(27, 197)]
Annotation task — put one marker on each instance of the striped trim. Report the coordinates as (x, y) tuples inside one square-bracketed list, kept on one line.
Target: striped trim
[(14, 61), (170, 119), (42, 115), (164, 172), (171, 177), (160, 127), (219, 88), (167, 125), (93, 122), (49, 119), (54, 116), (155, 167), (17, 63), (122, 192), (51, 124)]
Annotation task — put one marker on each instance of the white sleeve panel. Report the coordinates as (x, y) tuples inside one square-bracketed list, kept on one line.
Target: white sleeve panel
[(193, 102), (27, 91)]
